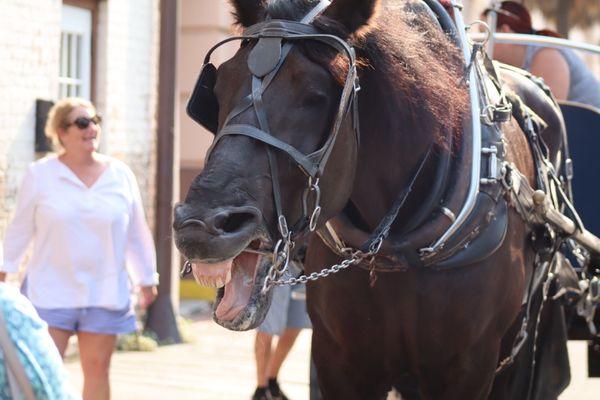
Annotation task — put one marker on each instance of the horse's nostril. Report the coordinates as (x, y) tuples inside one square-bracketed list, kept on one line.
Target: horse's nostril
[(192, 221), (233, 222)]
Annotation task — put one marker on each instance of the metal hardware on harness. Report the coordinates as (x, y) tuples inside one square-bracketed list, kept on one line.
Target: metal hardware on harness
[(448, 213), (491, 152), (469, 203), (486, 38), (496, 113), (354, 257), (586, 307), (185, 269), (281, 261), (282, 226), (506, 176), (569, 169), (316, 210)]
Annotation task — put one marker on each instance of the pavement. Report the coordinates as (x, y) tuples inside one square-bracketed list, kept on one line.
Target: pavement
[(219, 365)]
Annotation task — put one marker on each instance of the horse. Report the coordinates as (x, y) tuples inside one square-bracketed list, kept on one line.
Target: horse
[(383, 319)]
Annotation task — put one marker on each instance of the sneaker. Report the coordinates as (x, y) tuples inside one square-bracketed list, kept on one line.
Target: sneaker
[(275, 391), (261, 394)]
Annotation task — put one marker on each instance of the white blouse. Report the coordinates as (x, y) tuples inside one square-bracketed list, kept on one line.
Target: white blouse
[(87, 242)]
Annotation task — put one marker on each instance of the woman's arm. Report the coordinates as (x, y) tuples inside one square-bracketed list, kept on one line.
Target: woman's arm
[(22, 227), (550, 65)]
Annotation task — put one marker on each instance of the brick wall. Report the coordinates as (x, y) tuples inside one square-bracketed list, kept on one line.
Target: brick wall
[(29, 49), (126, 86)]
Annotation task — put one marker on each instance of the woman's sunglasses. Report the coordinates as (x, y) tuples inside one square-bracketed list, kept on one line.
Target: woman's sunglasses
[(84, 122)]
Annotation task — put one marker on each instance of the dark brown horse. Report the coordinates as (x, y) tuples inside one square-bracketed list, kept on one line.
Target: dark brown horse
[(437, 332)]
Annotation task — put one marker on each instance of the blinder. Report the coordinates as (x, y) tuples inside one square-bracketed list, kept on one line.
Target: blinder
[(203, 106)]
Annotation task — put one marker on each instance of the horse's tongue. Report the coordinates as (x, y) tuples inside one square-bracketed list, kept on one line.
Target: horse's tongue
[(239, 288)]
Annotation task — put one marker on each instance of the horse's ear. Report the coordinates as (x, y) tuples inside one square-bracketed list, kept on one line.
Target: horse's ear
[(353, 14), (248, 12)]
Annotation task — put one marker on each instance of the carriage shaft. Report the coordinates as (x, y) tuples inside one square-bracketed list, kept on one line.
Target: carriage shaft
[(549, 214)]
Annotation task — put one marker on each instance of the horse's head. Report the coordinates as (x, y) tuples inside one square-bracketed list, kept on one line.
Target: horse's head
[(282, 110)]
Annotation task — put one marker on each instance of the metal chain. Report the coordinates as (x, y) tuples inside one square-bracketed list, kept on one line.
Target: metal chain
[(356, 257)]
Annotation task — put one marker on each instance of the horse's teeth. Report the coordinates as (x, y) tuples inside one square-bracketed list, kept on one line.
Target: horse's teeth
[(219, 282), (228, 277)]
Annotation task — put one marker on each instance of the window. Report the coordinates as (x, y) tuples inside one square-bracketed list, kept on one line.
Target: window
[(75, 52)]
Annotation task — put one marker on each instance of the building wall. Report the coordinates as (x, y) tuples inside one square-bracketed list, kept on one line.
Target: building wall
[(29, 54), (126, 87), (126, 62), (202, 24)]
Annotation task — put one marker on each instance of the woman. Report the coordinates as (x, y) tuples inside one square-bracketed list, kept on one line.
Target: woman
[(83, 212), (562, 70)]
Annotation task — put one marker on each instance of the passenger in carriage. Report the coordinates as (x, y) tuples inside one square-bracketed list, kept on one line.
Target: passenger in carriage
[(563, 71)]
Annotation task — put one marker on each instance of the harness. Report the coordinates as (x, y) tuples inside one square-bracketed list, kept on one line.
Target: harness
[(465, 217)]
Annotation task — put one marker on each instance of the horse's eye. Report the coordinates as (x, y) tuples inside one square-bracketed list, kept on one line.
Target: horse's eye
[(244, 43)]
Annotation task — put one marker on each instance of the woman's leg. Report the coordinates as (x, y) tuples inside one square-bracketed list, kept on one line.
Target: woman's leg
[(284, 345), (60, 338), (95, 351)]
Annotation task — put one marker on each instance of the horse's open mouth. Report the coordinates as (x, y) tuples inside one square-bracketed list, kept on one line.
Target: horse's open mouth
[(239, 304)]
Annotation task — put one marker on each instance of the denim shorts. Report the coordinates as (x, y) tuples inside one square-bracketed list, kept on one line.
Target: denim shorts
[(287, 310), (90, 319)]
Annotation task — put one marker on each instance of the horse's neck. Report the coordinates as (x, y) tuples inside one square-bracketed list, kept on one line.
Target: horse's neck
[(392, 145)]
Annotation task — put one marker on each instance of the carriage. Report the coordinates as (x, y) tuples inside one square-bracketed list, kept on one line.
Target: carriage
[(582, 126), (433, 184)]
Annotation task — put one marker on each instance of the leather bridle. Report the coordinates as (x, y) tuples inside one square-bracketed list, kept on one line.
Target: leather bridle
[(274, 41)]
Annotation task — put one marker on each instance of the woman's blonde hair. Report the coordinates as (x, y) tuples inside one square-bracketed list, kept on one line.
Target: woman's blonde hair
[(58, 114)]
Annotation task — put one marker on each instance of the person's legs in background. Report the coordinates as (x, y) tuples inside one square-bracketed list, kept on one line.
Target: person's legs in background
[(262, 356), (62, 323), (296, 320), (97, 337), (95, 351), (60, 338), (285, 319), (274, 324), (284, 345)]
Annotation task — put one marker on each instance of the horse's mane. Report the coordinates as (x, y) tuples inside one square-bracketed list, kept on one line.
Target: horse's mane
[(419, 66)]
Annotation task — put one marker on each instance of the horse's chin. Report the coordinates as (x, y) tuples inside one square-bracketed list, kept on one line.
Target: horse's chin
[(240, 304)]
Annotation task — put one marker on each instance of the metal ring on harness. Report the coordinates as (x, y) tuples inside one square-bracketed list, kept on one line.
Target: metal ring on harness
[(283, 227), (506, 176), (488, 33), (448, 213), (487, 114), (312, 187)]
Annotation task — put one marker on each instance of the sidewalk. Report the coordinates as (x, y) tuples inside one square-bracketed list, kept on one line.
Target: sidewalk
[(220, 366)]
